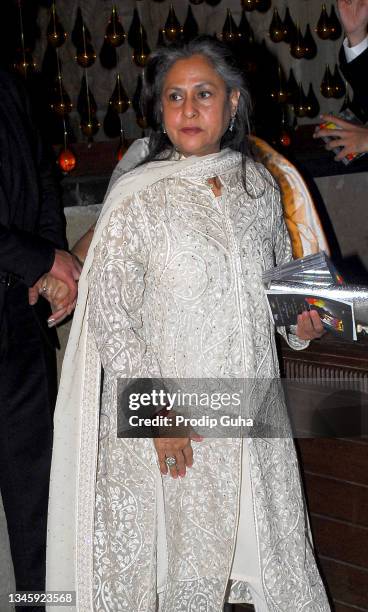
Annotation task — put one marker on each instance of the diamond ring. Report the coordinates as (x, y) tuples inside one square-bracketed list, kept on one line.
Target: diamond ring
[(170, 462)]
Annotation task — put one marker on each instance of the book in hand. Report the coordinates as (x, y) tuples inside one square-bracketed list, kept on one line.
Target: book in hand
[(341, 307), (336, 316)]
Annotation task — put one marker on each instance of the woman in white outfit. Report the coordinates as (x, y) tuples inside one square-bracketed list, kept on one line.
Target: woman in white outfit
[(172, 288)]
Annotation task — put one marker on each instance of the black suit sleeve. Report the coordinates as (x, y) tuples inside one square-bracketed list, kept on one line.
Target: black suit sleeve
[(51, 221), (25, 255), (355, 72)]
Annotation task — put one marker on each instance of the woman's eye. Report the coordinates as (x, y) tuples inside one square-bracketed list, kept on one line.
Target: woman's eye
[(174, 97), (204, 94)]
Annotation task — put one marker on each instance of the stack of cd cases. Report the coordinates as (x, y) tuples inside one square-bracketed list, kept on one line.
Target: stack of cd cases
[(313, 283)]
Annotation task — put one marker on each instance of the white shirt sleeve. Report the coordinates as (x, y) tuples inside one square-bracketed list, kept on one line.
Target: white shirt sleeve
[(352, 52)]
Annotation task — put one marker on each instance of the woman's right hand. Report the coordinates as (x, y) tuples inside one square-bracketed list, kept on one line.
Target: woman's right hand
[(181, 449)]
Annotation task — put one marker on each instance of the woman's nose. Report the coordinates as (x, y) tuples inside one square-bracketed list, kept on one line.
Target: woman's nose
[(189, 108)]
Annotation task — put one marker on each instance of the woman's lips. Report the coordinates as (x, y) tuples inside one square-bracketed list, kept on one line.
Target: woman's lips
[(193, 130)]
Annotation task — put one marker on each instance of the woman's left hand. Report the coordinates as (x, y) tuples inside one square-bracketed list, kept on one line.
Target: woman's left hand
[(309, 326)]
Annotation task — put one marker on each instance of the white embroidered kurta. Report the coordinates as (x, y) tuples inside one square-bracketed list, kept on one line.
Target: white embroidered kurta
[(175, 291)]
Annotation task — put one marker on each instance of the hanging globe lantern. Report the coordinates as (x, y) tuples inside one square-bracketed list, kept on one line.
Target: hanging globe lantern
[(119, 100), (60, 101), (142, 51), (249, 5), (86, 56), (115, 33), (89, 125), (172, 25), (323, 26), (230, 32), (24, 63), (55, 33), (67, 160), (276, 27)]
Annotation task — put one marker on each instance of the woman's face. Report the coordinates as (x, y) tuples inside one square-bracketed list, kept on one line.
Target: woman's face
[(196, 107)]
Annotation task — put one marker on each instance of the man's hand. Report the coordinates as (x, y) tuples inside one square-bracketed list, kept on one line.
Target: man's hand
[(354, 18), (353, 138), (67, 269), (309, 326)]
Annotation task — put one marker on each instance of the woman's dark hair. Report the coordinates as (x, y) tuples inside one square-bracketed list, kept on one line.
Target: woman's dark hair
[(220, 56)]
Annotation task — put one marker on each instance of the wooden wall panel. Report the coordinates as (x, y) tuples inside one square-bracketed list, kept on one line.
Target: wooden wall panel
[(347, 584), (337, 499), (335, 473)]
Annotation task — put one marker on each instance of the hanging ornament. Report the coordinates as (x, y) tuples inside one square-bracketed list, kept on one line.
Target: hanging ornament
[(23, 62), (108, 56), (55, 32), (292, 88), (288, 27), (300, 105), (115, 33), (245, 31), (280, 92), (338, 84), (141, 53), (86, 55), (80, 31), (327, 86), (311, 103), (190, 27), (310, 47), (123, 145), (230, 31), (335, 25), (111, 123), (249, 5), (263, 5), (89, 126), (297, 46), (276, 28), (136, 31), (86, 103), (136, 103), (285, 134), (50, 64), (60, 102), (66, 160), (172, 25), (119, 101), (161, 39), (347, 102), (323, 25)]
